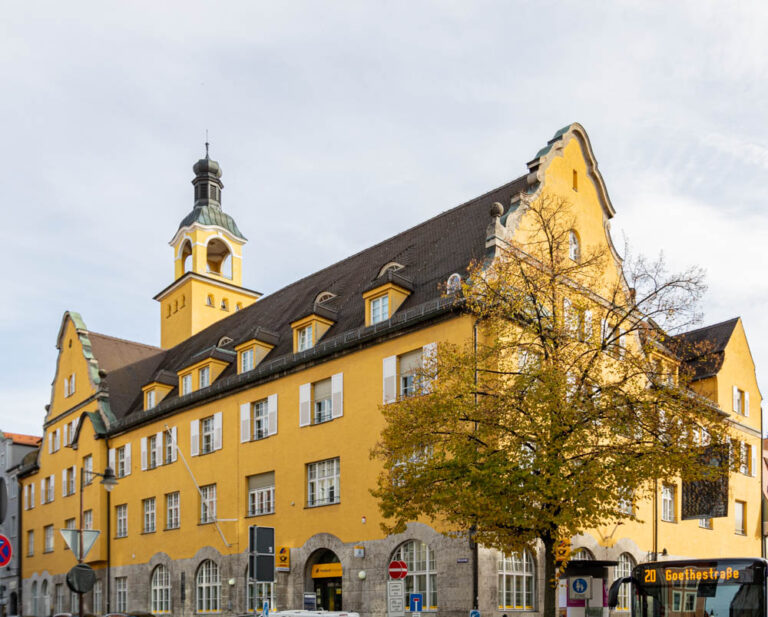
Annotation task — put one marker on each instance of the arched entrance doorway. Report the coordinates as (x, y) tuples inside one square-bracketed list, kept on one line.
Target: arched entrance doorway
[(324, 573)]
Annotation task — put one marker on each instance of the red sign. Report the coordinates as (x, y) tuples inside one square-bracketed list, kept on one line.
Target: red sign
[(398, 569), (5, 551)]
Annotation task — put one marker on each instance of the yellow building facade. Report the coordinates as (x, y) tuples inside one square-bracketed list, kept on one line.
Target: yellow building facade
[(263, 411)]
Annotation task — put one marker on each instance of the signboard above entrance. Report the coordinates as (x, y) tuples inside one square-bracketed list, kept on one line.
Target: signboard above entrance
[(326, 570)]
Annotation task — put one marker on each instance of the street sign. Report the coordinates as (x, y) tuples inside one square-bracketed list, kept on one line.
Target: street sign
[(81, 578), (310, 601), (72, 538), (416, 604), (580, 587), (396, 598), (398, 569), (474, 613), (6, 552), (265, 609), (261, 557)]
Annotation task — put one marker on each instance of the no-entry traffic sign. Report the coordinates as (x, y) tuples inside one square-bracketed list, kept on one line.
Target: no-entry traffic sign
[(398, 569), (5, 551)]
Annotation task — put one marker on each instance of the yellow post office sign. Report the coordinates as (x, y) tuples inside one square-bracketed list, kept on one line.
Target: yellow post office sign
[(283, 559)]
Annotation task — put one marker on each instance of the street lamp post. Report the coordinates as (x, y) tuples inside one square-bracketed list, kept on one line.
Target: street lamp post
[(109, 481)]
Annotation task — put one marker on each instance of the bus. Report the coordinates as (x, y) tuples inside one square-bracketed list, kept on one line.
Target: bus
[(696, 588)]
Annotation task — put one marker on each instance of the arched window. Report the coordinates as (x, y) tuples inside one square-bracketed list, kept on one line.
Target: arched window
[(219, 258), (257, 594), (208, 586), (516, 582), (582, 554), (224, 304), (186, 255), (238, 306), (46, 598), (160, 590), (574, 248), (183, 301), (209, 300), (422, 574), (169, 309), (35, 599), (624, 568)]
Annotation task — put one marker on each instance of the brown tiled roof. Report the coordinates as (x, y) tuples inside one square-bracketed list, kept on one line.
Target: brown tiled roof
[(703, 349), (429, 252), (24, 440), (113, 353)]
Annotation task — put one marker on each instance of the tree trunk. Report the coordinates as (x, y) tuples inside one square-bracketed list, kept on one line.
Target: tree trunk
[(550, 580)]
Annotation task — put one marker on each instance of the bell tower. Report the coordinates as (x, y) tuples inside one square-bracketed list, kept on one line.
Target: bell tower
[(207, 263)]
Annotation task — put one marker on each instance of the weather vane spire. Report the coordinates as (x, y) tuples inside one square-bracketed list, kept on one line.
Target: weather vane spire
[(206, 143)]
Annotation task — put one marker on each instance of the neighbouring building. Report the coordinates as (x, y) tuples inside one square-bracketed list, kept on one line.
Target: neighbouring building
[(13, 450), (263, 410)]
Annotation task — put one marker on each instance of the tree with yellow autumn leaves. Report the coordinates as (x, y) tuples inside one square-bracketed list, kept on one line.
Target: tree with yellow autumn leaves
[(567, 402)]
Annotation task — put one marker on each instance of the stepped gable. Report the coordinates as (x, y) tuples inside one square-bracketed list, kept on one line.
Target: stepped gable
[(703, 349), (429, 252)]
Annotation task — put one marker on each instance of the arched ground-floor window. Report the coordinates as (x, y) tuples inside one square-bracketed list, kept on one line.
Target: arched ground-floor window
[(517, 582), (208, 585), (160, 591), (422, 574), (624, 568)]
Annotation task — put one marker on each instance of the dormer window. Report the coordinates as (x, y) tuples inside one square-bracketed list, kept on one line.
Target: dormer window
[(246, 361), (204, 377), (253, 351), (379, 309), (304, 340), (151, 398), (324, 297), (186, 384)]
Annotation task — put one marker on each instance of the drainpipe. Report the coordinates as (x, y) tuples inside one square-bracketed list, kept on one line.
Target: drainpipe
[(473, 529), (655, 520), (109, 541), (762, 497)]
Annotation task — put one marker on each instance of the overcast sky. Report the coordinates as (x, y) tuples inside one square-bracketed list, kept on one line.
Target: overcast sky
[(339, 124)]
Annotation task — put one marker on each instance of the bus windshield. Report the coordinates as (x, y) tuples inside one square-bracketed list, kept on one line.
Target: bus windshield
[(700, 588)]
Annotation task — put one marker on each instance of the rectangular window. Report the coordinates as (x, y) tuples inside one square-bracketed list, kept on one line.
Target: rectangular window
[(71, 473), (121, 516), (246, 361), (30, 543), (172, 511), (88, 469), (260, 419), (740, 517), (152, 451), (668, 503), (261, 494), (705, 523), (305, 338), (208, 503), (97, 597), (59, 598), (258, 593), (88, 519), (186, 384), (50, 490), (151, 399), (204, 377), (745, 457), (121, 593), (69, 524), (206, 429), (379, 309), (169, 448), (48, 537), (149, 514), (410, 366), (322, 402), (323, 482), (121, 462)]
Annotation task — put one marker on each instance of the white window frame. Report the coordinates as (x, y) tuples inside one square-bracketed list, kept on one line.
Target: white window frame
[(208, 588), (206, 435), (739, 517), (208, 504), (517, 582), (323, 482), (668, 503), (30, 542), (88, 519), (624, 569), (98, 597), (172, 510), (160, 590), (151, 399), (422, 572), (246, 360), (150, 518), (48, 539), (257, 594), (121, 593), (204, 377), (260, 415), (379, 309), (304, 338), (87, 469), (261, 501), (186, 384), (121, 520)]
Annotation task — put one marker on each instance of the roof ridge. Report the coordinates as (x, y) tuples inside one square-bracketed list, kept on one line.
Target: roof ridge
[(714, 325), (124, 340), (389, 239)]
